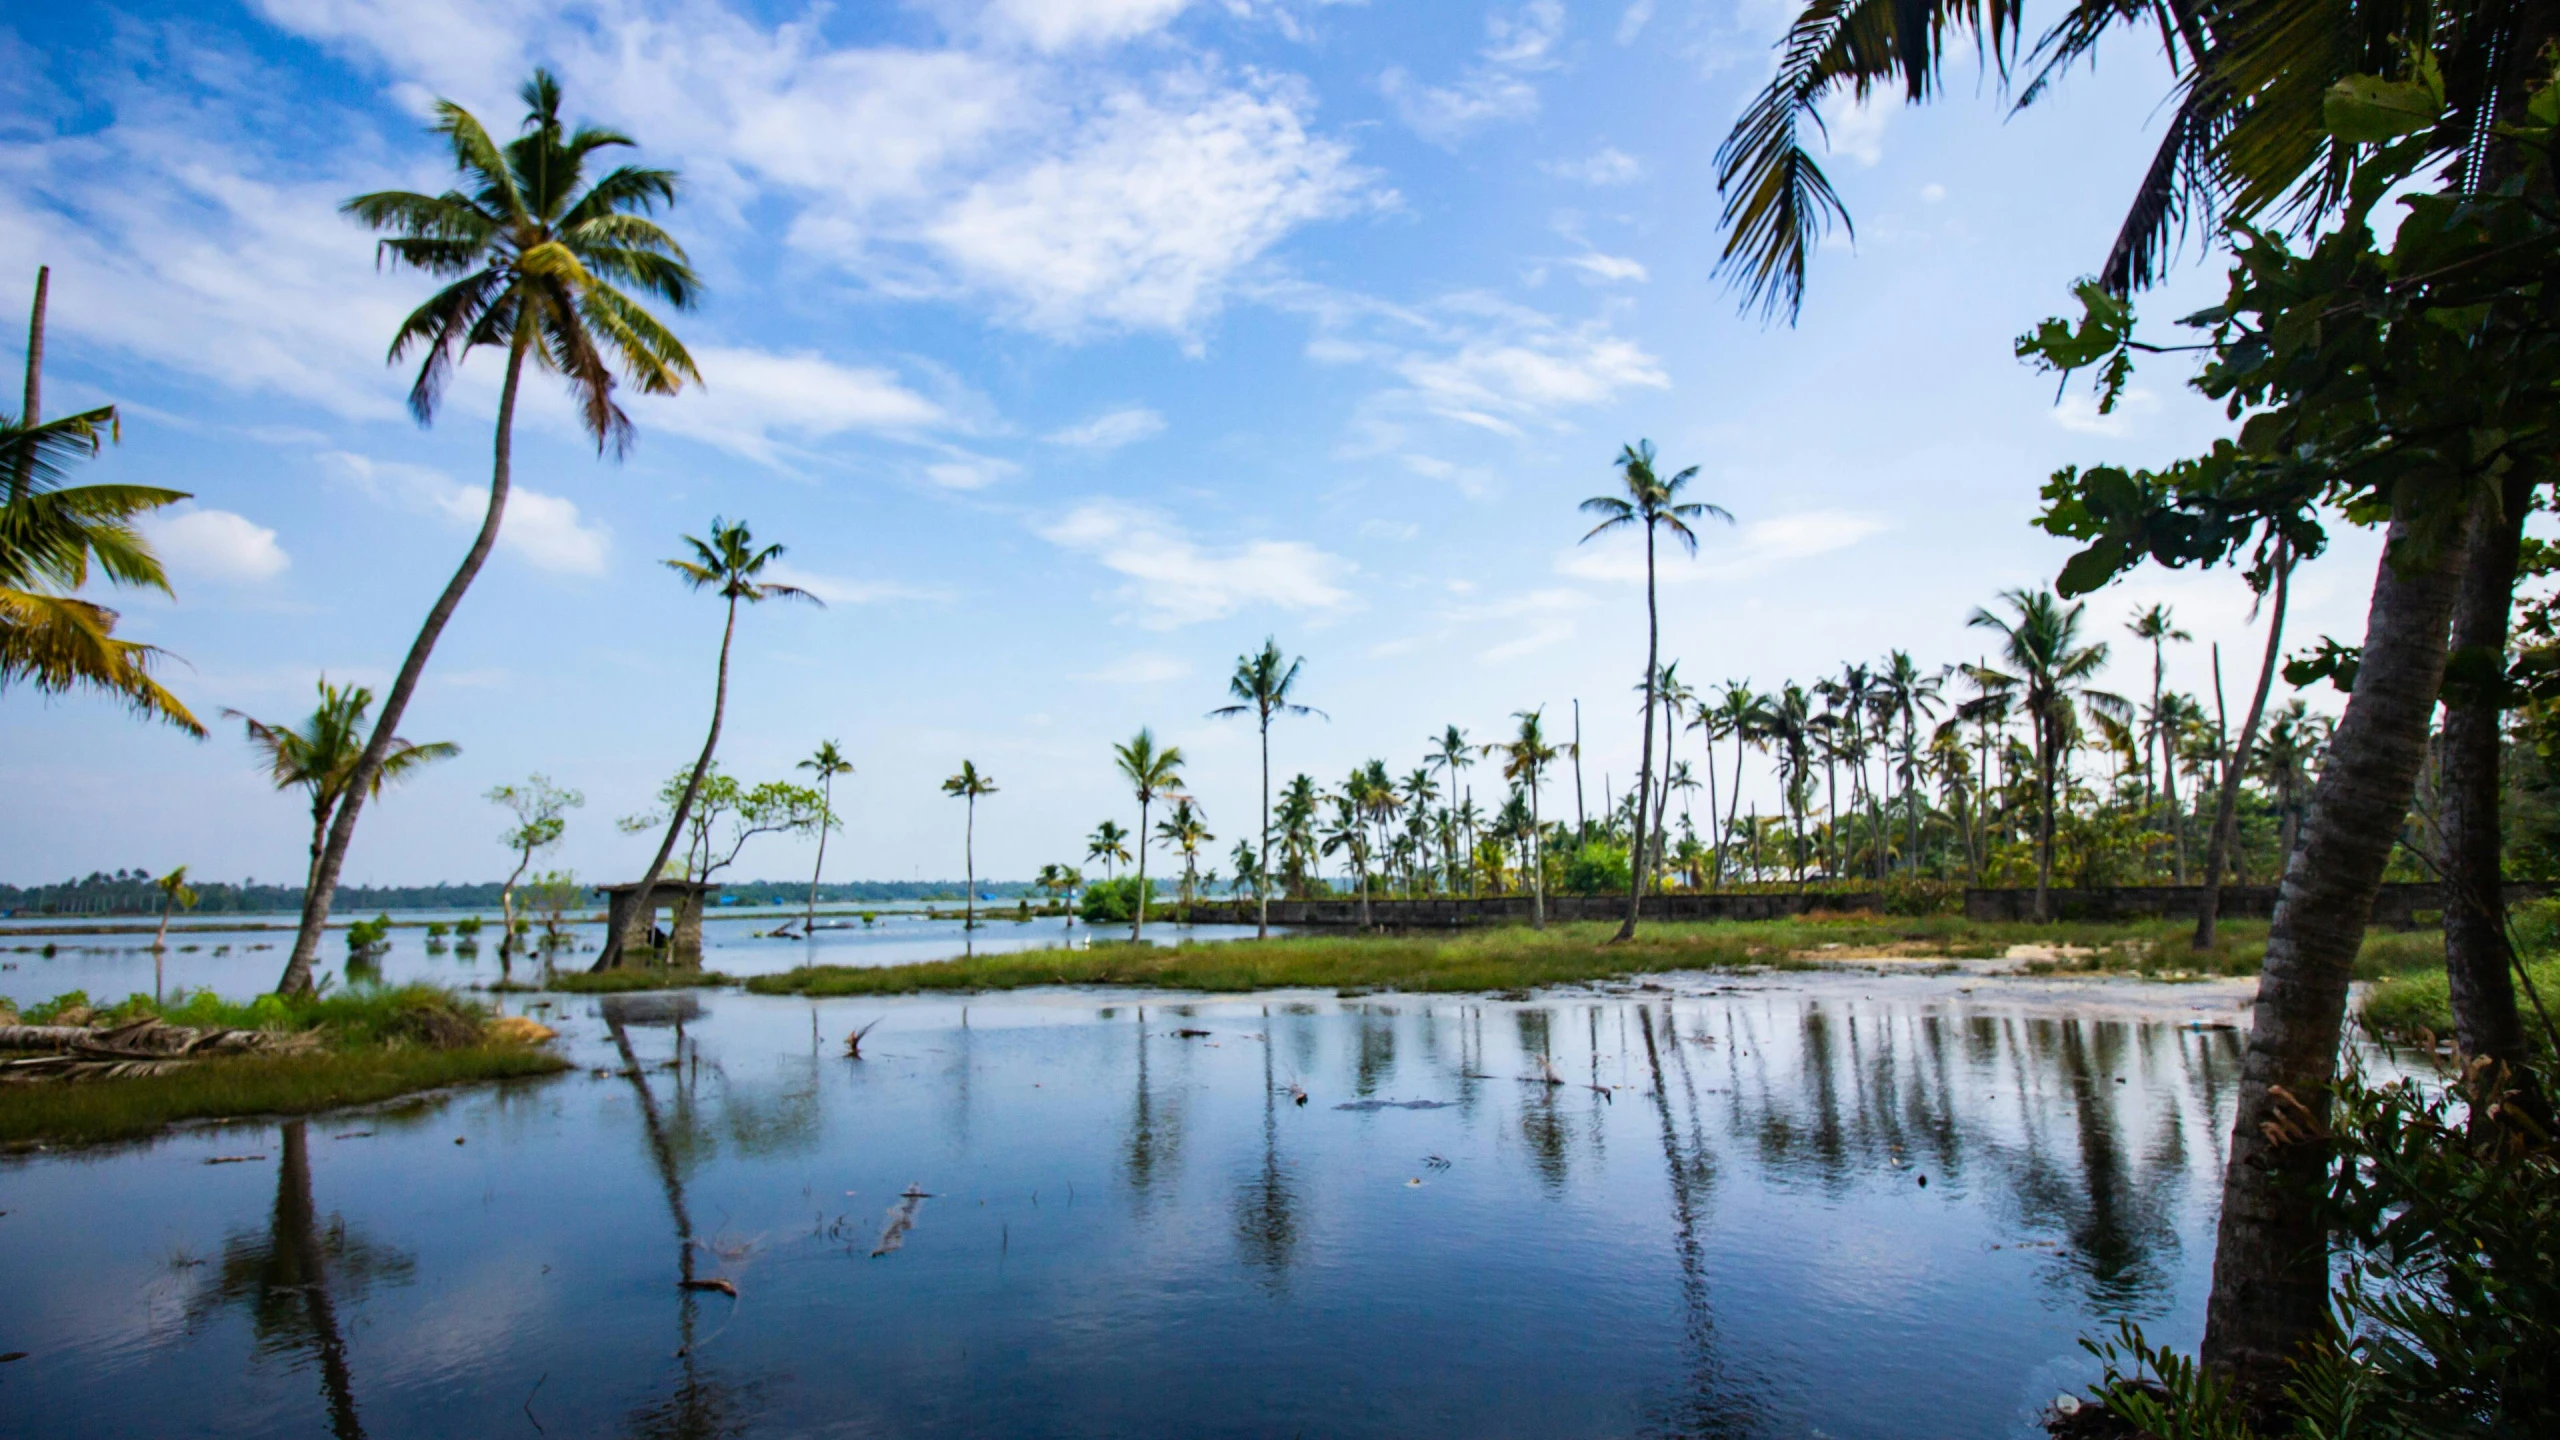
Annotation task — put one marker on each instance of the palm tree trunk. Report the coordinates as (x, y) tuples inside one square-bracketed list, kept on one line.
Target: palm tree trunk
[(1138, 921), (2226, 809), (2477, 957), (969, 869), (1637, 856), (1537, 858), (643, 912), (2044, 816), (826, 818), (323, 888), (2270, 1267), (32, 410), (1262, 866)]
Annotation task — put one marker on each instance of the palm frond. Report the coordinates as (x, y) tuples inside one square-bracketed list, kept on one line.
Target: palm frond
[(57, 644)]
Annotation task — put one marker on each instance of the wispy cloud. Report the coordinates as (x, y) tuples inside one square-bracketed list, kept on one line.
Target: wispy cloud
[(1755, 549), (1174, 580), (838, 590), (1517, 44), (544, 531), (1608, 165), (1110, 430)]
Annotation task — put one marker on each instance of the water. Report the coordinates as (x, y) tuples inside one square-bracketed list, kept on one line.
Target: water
[(1118, 1229), (245, 958)]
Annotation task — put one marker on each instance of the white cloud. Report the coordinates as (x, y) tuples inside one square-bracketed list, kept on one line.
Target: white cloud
[(1607, 267), (1174, 580), (1855, 128), (1144, 218), (964, 471), (215, 545), (1758, 547), (1632, 22), (752, 402), (2077, 411), (544, 531), (1516, 45), (1143, 667), (1064, 24), (1933, 192), (1507, 382), (1110, 430), (1607, 166), (1470, 481)]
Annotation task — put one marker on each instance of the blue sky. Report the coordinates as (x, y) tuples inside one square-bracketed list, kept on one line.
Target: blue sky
[(1070, 347)]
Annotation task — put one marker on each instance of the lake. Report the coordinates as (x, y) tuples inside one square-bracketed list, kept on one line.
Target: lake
[(1698, 1210)]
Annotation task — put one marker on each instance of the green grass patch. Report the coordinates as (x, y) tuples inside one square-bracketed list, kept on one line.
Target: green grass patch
[(91, 1112), (2401, 1007), (617, 982)]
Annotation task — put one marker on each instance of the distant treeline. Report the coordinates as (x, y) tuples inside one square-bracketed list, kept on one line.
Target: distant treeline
[(131, 892)]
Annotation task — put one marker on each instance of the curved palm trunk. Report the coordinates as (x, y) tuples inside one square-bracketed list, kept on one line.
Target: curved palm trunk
[(2226, 809), (323, 888), (643, 913), (1637, 856), (2477, 957), (1262, 866), (1138, 922), (2270, 1265), (826, 819)]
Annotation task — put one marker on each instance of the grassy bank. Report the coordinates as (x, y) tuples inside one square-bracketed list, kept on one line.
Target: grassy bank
[(614, 982), (1518, 958), (2401, 1007), (371, 1044)]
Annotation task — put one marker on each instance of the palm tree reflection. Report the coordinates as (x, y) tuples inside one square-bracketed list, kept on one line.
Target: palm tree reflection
[(1267, 1203)]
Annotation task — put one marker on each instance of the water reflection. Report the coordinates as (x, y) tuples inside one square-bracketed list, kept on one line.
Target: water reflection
[(1267, 1202)]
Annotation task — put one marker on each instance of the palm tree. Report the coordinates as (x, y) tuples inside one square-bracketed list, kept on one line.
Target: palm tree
[(1419, 792), (1525, 757), (175, 895), (1451, 753), (534, 257), (1185, 831), (1061, 882), (50, 535), (540, 808), (320, 755), (2156, 626), (1297, 825), (969, 785), (1910, 692), (727, 563), (1350, 836), (2218, 840), (1677, 700), (1262, 684), (1151, 771), (1110, 845), (2040, 639), (1743, 714), (827, 764), (1654, 503)]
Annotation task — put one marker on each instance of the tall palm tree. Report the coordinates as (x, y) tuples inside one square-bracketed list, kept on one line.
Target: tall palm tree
[(727, 563), (1110, 845), (1451, 753), (827, 764), (1419, 791), (1297, 826), (1186, 831), (1654, 503), (1743, 714), (1910, 692), (2156, 626), (50, 536), (319, 755), (1525, 758), (1678, 698), (2040, 640), (969, 785), (1262, 685), (1151, 770), (1349, 835), (534, 256)]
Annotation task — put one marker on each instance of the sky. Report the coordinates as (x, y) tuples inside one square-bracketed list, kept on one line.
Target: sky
[(1070, 348)]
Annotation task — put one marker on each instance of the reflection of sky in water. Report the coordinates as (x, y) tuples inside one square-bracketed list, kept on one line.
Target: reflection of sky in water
[(241, 962), (1129, 1231)]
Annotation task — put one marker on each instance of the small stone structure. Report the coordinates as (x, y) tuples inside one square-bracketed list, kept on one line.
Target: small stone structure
[(684, 939)]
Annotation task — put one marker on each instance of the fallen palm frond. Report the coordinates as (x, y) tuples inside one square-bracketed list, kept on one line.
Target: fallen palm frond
[(143, 1046)]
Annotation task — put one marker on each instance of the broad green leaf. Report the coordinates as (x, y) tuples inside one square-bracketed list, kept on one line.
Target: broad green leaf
[(2368, 110)]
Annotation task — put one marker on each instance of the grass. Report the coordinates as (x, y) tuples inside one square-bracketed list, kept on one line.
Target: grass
[(376, 1042), (2405, 1007), (1518, 958), (615, 982)]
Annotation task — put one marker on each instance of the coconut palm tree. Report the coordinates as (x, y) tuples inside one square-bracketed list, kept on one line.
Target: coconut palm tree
[(1742, 713), (541, 810), (1110, 845), (1909, 692), (1677, 700), (1525, 758), (319, 755), (1349, 836), (537, 260), (1654, 503), (969, 785), (2040, 640), (175, 895), (827, 764), (1451, 753), (1262, 685), (1151, 770), (728, 564), (1186, 831), (1296, 819), (51, 534), (2156, 626)]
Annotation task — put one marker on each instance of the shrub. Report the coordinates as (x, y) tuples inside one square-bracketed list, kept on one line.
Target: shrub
[(1110, 902), (367, 939), (1597, 868)]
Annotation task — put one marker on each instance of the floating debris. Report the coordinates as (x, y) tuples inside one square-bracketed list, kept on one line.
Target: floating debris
[(232, 1159), (1371, 1107), (725, 1287), (1192, 1034), (1298, 1093), (1435, 1162), (902, 1218)]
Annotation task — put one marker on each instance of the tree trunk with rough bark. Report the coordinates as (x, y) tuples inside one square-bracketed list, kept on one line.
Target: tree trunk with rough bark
[(1636, 856), (2270, 1266), (323, 889), (643, 914), (2478, 961)]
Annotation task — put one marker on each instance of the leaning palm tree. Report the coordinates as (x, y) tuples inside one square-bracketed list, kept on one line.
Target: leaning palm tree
[(534, 256), (1151, 771), (1525, 757), (319, 756), (969, 785), (729, 563), (51, 534), (2040, 640), (1261, 685), (827, 764), (1653, 502)]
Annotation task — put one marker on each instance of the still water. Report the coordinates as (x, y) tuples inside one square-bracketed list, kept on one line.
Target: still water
[(1695, 1211), (245, 958)]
